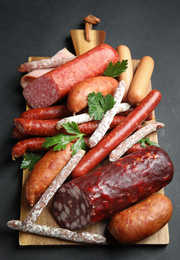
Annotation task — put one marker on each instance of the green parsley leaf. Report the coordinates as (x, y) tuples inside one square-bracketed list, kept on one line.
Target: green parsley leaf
[(116, 69), (98, 104), (29, 161), (146, 141), (79, 145), (61, 140)]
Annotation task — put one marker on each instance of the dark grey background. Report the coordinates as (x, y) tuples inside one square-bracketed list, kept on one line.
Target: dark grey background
[(41, 28)]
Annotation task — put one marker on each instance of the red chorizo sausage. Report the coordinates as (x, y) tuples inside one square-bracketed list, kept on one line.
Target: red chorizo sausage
[(44, 173), (141, 220), (112, 188), (56, 84), (39, 127), (28, 145), (32, 145), (52, 112), (95, 155)]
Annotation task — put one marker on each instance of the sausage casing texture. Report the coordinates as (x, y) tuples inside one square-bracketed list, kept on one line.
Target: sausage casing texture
[(141, 80), (111, 188), (39, 127), (141, 220), (98, 153), (52, 112), (125, 54), (44, 173), (56, 84), (78, 95), (28, 145)]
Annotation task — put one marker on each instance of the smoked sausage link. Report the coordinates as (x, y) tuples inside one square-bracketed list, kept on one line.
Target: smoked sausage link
[(52, 112), (126, 127), (44, 173), (78, 95), (112, 188), (141, 220), (56, 84)]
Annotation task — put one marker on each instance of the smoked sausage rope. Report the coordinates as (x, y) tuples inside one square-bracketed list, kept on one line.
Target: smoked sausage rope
[(98, 153), (80, 237), (108, 116), (51, 190), (133, 139)]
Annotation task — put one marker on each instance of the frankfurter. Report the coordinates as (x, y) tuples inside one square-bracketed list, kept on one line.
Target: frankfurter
[(125, 54), (56, 84), (141, 80), (44, 172), (94, 156), (52, 112), (37, 127), (78, 95), (141, 220), (111, 188)]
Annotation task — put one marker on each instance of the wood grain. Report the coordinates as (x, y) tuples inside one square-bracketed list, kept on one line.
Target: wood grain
[(25, 239), (81, 45)]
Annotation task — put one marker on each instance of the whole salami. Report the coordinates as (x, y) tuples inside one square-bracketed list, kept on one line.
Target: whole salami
[(111, 188), (56, 84)]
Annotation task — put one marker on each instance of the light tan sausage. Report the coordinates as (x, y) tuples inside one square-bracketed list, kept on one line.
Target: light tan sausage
[(141, 79), (44, 173), (125, 54), (77, 97), (141, 220)]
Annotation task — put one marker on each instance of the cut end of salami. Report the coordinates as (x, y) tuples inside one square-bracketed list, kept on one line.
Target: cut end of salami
[(42, 92), (71, 207), (56, 84)]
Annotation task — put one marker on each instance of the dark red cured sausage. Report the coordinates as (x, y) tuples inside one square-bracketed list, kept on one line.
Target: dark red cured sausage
[(98, 153), (28, 145), (36, 127), (53, 112), (112, 188), (56, 84), (18, 135), (40, 127), (134, 148), (33, 144)]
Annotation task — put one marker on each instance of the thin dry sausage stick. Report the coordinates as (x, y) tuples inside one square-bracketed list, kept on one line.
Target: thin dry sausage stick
[(61, 233), (85, 117), (133, 139), (108, 116), (124, 129), (53, 187)]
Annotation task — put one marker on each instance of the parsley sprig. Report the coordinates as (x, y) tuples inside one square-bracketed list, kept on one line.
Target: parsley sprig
[(29, 161), (114, 70), (61, 140), (147, 141), (99, 104)]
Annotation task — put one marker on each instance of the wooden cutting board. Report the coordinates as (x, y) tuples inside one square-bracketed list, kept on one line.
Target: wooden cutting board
[(25, 239)]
